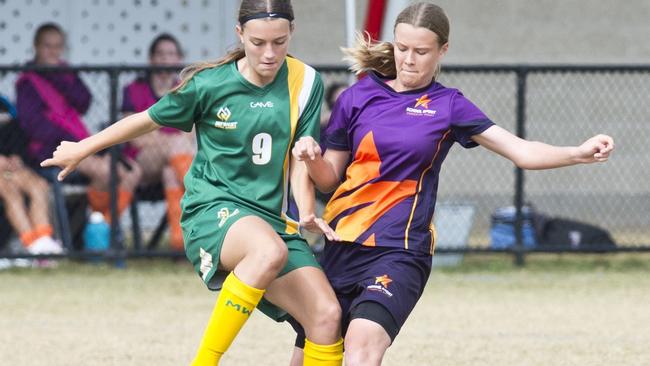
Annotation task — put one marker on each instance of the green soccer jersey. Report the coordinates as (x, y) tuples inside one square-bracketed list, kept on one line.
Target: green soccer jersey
[(245, 134)]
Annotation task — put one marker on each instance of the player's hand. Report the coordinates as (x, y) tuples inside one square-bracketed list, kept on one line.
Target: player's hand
[(319, 226), (306, 148), (4, 162), (66, 156), (596, 149)]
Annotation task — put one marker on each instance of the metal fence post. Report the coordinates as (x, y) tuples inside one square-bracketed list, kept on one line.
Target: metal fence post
[(117, 239), (519, 249)]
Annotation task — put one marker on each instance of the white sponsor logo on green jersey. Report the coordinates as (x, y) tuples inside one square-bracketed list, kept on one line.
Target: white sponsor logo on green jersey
[(267, 104), (224, 115), (224, 214)]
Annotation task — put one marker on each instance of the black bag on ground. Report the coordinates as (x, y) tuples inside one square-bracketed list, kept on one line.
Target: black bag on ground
[(570, 234)]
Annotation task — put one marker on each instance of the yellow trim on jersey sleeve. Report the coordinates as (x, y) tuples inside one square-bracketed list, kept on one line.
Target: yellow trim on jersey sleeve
[(295, 80)]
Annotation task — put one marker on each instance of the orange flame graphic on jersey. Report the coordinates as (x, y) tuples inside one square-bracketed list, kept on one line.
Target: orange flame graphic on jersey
[(384, 280), (423, 101), (374, 199)]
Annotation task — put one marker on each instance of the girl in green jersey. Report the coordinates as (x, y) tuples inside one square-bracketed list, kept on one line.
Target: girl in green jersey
[(248, 109)]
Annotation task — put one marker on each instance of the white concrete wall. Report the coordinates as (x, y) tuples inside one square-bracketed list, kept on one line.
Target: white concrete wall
[(504, 31), (483, 31), (117, 31)]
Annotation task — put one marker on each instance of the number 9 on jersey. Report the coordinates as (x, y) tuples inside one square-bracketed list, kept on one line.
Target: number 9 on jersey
[(262, 144)]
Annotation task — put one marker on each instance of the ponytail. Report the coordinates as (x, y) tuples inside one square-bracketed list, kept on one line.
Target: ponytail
[(368, 55)]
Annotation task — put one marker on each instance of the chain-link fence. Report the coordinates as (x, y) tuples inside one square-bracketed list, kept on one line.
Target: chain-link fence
[(558, 105), (563, 106)]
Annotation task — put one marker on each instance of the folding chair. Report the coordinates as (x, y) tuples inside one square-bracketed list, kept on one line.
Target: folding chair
[(153, 193), (62, 214)]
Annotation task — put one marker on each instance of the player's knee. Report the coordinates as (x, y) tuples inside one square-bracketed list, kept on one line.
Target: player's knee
[(357, 356), (359, 352), (328, 316), (272, 257), (365, 344)]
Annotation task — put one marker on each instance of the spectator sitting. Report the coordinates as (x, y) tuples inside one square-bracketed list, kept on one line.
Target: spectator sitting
[(31, 222), (50, 105), (166, 154)]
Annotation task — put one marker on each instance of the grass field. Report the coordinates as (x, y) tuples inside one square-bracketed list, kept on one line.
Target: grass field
[(558, 310)]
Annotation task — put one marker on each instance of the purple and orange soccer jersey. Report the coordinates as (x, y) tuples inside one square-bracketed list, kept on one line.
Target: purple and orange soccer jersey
[(398, 142)]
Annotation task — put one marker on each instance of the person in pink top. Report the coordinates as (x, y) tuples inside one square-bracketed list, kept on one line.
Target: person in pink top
[(50, 107), (165, 155)]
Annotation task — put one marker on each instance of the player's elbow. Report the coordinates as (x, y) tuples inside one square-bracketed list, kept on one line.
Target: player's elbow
[(531, 163), (524, 156), (326, 187), (521, 163)]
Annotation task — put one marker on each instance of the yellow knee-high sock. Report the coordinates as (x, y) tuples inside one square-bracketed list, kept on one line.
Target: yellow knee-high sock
[(234, 305), (323, 354)]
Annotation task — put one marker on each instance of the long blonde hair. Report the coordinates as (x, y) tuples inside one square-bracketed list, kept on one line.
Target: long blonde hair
[(246, 9), (370, 55)]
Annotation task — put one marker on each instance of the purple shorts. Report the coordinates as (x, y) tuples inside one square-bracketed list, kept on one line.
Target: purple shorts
[(393, 277)]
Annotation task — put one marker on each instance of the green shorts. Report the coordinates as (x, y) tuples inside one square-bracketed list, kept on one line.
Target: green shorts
[(205, 232)]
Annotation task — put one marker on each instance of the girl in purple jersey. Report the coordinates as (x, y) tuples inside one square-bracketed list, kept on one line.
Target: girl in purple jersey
[(396, 127)]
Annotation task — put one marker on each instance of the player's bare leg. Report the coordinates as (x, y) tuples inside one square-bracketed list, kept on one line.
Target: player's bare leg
[(254, 254), (306, 294), (366, 343)]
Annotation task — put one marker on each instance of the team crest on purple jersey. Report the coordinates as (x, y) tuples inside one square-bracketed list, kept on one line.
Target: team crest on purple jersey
[(384, 280), (421, 107), (381, 285)]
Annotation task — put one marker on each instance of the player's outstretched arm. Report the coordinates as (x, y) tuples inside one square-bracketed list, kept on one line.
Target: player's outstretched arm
[(303, 192), (325, 171), (538, 155), (69, 154)]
